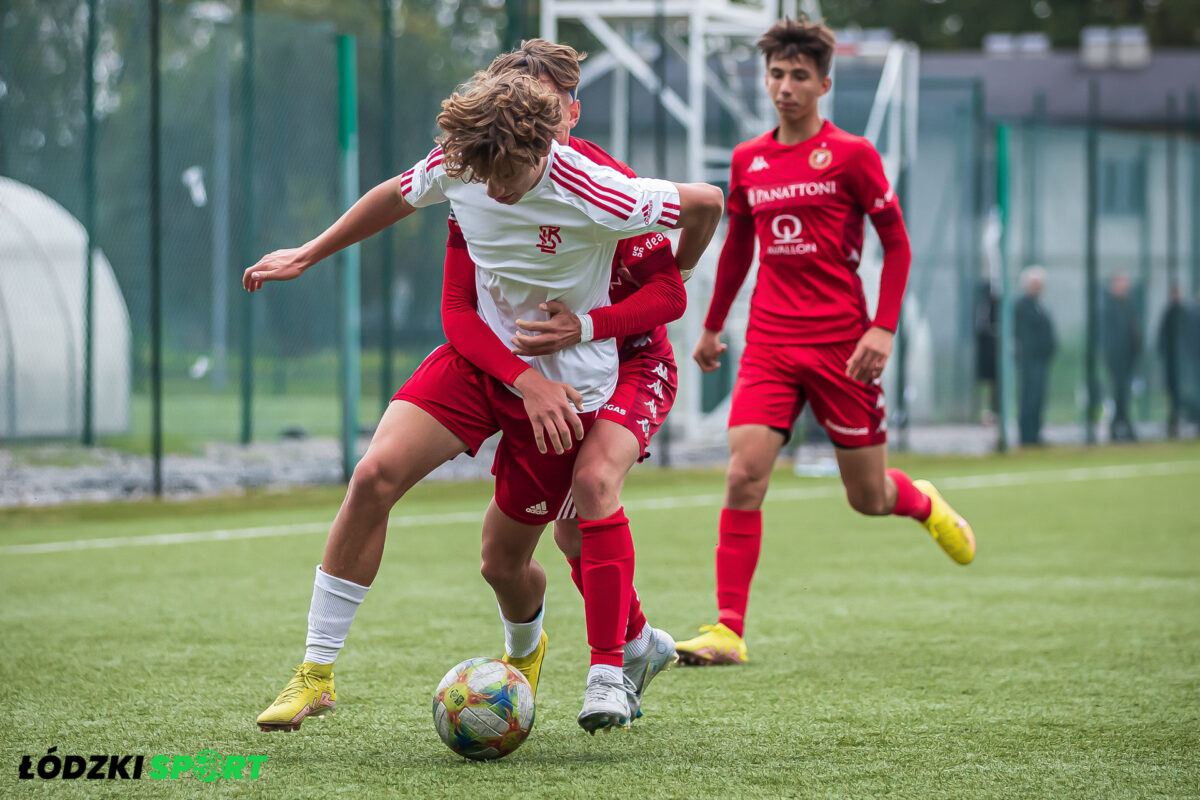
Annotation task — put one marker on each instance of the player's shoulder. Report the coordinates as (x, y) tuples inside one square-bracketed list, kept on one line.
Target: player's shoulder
[(751, 147), (847, 144), (599, 155)]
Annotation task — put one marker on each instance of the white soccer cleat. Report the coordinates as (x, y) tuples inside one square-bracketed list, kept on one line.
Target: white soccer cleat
[(659, 658), (607, 703)]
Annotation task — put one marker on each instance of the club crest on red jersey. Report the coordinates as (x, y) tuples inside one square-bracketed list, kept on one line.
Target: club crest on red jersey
[(551, 237), (820, 158)]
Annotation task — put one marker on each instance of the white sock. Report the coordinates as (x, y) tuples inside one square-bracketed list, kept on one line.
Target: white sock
[(334, 602), (639, 646), (521, 638), (607, 672)]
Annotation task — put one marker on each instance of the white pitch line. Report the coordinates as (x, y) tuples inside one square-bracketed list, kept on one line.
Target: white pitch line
[(984, 481)]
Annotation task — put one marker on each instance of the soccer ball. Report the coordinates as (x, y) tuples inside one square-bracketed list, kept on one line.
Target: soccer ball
[(483, 709)]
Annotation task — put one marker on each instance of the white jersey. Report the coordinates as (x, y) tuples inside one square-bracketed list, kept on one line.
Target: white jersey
[(555, 243)]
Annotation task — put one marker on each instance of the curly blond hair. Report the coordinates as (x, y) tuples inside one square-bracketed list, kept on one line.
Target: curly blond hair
[(497, 123)]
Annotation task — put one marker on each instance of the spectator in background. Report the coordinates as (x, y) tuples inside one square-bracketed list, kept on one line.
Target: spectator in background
[(1121, 341), (1189, 362), (1036, 345), (1171, 348), (986, 336)]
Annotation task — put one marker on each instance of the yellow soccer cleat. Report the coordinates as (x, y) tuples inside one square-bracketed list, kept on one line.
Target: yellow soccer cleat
[(308, 694), (715, 645), (531, 665), (947, 527)]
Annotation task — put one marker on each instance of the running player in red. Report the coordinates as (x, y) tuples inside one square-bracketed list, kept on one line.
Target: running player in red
[(802, 190), (647, 291)]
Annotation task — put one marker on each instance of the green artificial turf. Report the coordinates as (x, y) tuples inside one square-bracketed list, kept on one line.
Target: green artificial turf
[(1064, 663)]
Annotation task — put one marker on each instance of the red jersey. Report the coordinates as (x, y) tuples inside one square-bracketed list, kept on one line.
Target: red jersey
[(807, 202), (640, 256)]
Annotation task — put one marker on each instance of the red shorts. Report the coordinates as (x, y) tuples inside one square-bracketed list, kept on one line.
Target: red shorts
[(645, 393), (531, 487), (775, 381)]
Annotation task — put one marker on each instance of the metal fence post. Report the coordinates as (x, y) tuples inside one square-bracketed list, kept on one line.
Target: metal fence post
[(387, 114), (156, 377), (351, 312), (1092, 329), (1003, 344), (249, 256), (89, 225)]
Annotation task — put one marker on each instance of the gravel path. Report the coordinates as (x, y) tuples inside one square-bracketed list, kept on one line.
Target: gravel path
[(53, 474)]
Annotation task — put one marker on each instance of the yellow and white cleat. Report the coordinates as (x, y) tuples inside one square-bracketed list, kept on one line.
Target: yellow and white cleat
[(308, 694), (531, 665), (947, 526), (715, 645)]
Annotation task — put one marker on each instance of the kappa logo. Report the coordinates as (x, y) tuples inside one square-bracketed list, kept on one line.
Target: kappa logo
[(539, 508), (551, 238), (661, 371), (657, 388), (645, 423), (820, 158), (650, 404), (641, 341), (759, 163)]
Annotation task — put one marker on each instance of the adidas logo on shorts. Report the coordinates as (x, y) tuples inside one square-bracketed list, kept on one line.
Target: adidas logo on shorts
[(540, 508)]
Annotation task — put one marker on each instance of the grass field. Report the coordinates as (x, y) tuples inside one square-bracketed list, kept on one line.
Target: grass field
[(1064, 663)]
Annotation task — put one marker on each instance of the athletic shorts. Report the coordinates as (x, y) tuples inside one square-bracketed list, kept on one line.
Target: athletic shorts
[(531, 487), (645, 393), (775, 381)]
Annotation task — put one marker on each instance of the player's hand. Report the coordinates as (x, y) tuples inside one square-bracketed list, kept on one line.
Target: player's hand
[(282, 265), (870, 355), (708, 350), (560, 331), (551, 407)]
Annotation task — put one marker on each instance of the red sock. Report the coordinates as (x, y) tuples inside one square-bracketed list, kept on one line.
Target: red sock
[(910, 501), (607, 568), (739, 541), (637, 620)]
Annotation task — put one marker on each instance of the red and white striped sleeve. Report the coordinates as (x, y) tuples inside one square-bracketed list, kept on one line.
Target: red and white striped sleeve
[(621, 205), (422, 184)]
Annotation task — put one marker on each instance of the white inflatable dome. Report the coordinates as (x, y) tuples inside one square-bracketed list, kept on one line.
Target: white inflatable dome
[(42, 273)]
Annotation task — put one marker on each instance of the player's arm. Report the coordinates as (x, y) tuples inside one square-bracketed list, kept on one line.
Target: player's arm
[(550, 405), (659, 299), (875, 197), (700, 207), (737, 253), (374, 211)]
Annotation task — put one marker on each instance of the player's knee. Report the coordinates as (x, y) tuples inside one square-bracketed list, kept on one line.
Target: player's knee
[(566, 536), (746, 485), (498, 572), (372, 483), (595, 490)]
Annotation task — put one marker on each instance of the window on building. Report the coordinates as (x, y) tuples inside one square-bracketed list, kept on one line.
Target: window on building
[(1122, 186)]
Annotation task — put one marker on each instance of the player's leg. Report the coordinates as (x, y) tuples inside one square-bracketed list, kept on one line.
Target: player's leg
[(766, 401), (752, 453), (432, 420), (519, 582), (854, 415)]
